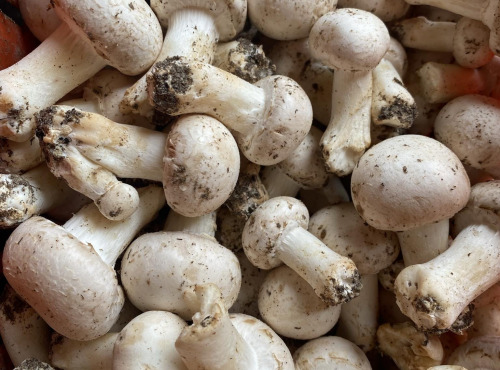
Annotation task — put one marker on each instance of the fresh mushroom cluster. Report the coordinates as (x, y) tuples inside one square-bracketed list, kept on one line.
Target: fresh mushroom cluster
[(251, 184)]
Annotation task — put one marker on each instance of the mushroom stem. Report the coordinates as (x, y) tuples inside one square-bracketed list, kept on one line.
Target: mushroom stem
[(204, 225), (334, 279), (465, 8), (64, 60), (348, 133), (18, 157), (212, 342), (192, 34), (110, 238), (424, 34), (423, 243), (434, 294)]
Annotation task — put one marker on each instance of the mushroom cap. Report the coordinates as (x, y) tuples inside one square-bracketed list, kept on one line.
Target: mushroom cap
[(287, 120), (477, 353), (306, 165), (201, 165), (468, 125), (229, 15), (342, 229), (285, 19), (148, 341), (289, 305), (159, 268), (408, 181), (63, 279), (265, 225), (330, 353), (124, 32), (272, 351), (349, 39), (17, 200)]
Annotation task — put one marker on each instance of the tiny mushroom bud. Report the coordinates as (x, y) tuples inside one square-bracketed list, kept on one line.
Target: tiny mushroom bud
[(407, 183), (468, 125), (352, 42), (193, 29), (276, 233), (125, 34), (330, 353), (289, 305), (80, 298), (268, 119), (158, 269), (219, 340), (148, 342), (287, 20), (409, 348)]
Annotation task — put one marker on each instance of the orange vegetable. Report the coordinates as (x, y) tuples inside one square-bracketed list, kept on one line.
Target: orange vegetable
[(15, 41)]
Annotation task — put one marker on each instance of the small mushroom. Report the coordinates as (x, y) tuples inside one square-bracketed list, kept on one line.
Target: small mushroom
[(79, 298), (159, 269), (268, 119), (219, 340), (352, 42), (330, 353), (276, 233), (289, 305)]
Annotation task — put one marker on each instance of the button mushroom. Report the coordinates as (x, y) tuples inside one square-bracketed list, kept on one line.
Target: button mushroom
[(66, 273), (276, 233), (268, 119)]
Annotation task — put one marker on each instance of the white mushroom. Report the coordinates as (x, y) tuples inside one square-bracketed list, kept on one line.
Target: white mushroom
[(332, 193), (330, 353), (352, 42), (486, 314), (40, 17), (205, 224), (148, 342), (342, 229), (90, 151), (409, 348), (96, 354), (289, 305), (406, 184), (23, 331), (193, 30), (32, 193), (18, 157), (159, 269), (87, 40), (287, 20), (268, 119), (468, 126), (66, 273), (219, 340), (276, 233)]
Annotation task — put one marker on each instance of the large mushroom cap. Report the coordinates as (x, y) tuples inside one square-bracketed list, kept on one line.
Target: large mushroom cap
[(63, 279), (229, 15), (287, 19), (349, 39), (468, 125), (408, 181), (201, 165), (125, 32)]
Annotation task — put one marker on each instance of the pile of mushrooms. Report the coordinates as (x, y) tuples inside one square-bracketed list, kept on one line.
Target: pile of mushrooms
[(252, 184)]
